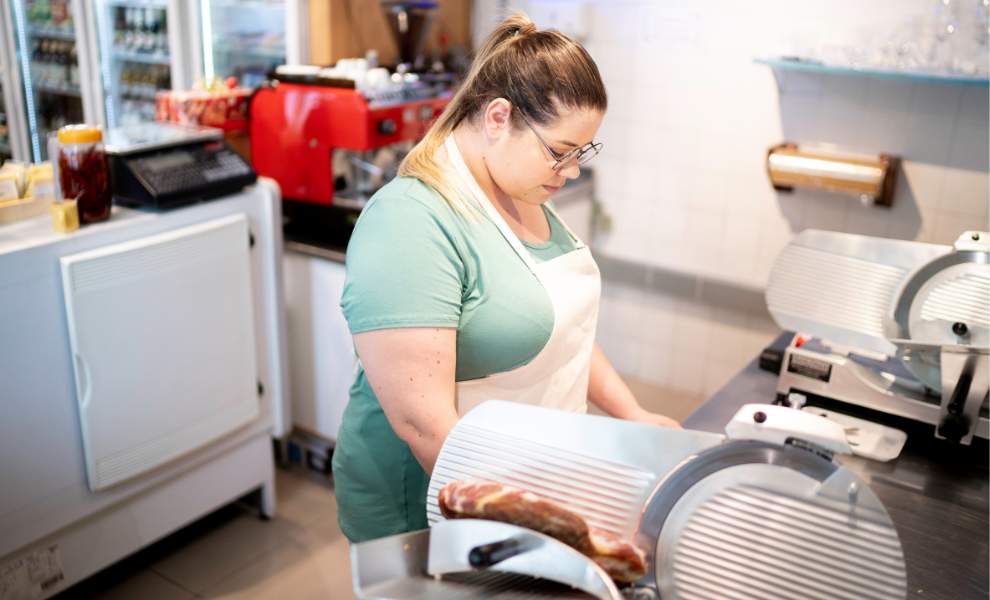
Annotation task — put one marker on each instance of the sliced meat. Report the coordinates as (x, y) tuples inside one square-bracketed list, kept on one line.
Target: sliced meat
[(621, 559), (498, 502)]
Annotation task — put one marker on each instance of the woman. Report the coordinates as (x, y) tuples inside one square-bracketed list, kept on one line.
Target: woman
[(464, 286)]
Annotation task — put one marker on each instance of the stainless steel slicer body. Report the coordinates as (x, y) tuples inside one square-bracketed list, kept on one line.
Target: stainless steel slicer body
[(903, 327), (762, 511)]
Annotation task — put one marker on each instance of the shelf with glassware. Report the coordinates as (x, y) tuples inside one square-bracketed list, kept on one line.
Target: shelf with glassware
[(947, 44), (793, 63)]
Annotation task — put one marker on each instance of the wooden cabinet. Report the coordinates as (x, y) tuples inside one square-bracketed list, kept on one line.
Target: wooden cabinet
[(349, 28)]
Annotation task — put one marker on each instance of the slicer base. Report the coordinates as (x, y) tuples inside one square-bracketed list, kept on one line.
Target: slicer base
[(406, 578)]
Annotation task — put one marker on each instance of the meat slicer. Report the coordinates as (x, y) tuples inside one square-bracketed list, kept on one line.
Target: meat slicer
[(761, 511), (899, 327)]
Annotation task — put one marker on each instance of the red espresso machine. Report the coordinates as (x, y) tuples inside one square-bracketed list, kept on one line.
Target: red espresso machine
[(332, 136)]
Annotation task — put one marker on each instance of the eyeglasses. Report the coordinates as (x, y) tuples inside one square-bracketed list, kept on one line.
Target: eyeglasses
[(582, 155)]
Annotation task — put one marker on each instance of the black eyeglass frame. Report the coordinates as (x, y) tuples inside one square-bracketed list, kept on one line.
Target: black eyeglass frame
[(561, 159)]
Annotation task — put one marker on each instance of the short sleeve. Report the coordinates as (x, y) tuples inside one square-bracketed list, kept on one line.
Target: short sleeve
[(403, 269)]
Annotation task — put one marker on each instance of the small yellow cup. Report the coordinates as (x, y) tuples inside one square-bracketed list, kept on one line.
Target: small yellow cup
[(65, 216)]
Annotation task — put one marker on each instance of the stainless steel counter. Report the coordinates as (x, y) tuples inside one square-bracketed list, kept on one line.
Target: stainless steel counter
[(325, 251), (936, 494)]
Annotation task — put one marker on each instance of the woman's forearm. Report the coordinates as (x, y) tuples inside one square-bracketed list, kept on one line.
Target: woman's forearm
[(607, 391)]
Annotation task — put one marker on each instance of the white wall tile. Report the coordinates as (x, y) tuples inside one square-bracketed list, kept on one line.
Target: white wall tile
[(966, 192), (925, 181), (973, 107), (624, 352), (949, 226), (969, 149), (826, 211), (656, 363), (683, 170), (932, 121), (621, 309), (729, 336), (866, 220)]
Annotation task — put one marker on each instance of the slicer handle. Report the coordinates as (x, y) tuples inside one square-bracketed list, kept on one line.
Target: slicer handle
[(491, 554), (956, 424), (958, 400)]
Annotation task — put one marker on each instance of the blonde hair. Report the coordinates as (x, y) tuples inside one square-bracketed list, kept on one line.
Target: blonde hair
[(539, 72)]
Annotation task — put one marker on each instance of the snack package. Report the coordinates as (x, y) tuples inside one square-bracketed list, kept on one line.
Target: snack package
[(9, 185)]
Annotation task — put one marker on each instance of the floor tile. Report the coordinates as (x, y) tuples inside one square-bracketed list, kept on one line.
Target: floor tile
[(302, 568), (144, 584), (222, 551)]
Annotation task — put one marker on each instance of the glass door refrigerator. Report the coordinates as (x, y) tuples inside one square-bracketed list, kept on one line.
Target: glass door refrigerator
[(246, 39), (12, 122), (49, 48), (143, 47)]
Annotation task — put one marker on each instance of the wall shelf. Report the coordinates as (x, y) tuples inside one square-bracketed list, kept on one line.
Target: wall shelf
[(810, 66)]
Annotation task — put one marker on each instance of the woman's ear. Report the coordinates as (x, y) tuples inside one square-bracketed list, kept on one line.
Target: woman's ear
[(497, 118)]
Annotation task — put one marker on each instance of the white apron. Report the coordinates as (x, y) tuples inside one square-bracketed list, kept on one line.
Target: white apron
[(558, 376)]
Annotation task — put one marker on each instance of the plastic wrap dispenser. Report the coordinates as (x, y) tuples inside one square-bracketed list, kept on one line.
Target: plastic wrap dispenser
[(871, 179)]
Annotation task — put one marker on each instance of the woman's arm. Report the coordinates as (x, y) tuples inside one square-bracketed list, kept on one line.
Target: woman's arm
[(411, 372), (607, 391)]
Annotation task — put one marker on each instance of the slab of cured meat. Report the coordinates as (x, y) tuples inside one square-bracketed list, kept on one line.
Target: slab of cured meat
[(620, 558)]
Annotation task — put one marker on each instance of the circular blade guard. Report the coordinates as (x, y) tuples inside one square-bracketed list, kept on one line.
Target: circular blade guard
[(750, 520), (950, 290)]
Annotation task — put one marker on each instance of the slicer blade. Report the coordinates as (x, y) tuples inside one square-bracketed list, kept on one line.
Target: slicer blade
[(841, 287)]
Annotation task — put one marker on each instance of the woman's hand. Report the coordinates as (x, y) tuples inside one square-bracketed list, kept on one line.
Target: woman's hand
[(645, 416)]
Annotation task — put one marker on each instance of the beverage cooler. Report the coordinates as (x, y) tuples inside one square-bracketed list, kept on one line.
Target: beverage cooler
[(245, 38), (45, 58), (103, 61), (6, 150), (135, 58), (8, 135)]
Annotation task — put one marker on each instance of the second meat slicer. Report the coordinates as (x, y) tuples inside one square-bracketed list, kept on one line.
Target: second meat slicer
[(899, 327)]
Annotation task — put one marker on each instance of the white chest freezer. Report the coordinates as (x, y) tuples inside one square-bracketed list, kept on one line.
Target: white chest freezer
[(142, 376)]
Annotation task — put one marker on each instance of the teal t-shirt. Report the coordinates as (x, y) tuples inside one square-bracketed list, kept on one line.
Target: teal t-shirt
[(413, 261)]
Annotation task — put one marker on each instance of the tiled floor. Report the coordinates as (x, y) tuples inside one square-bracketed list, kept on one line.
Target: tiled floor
[(299, 554)]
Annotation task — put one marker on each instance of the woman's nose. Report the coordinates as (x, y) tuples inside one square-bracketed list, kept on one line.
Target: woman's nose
[(571, 170)]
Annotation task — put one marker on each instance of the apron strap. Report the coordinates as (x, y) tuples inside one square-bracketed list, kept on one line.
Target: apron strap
[(464, 173)]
